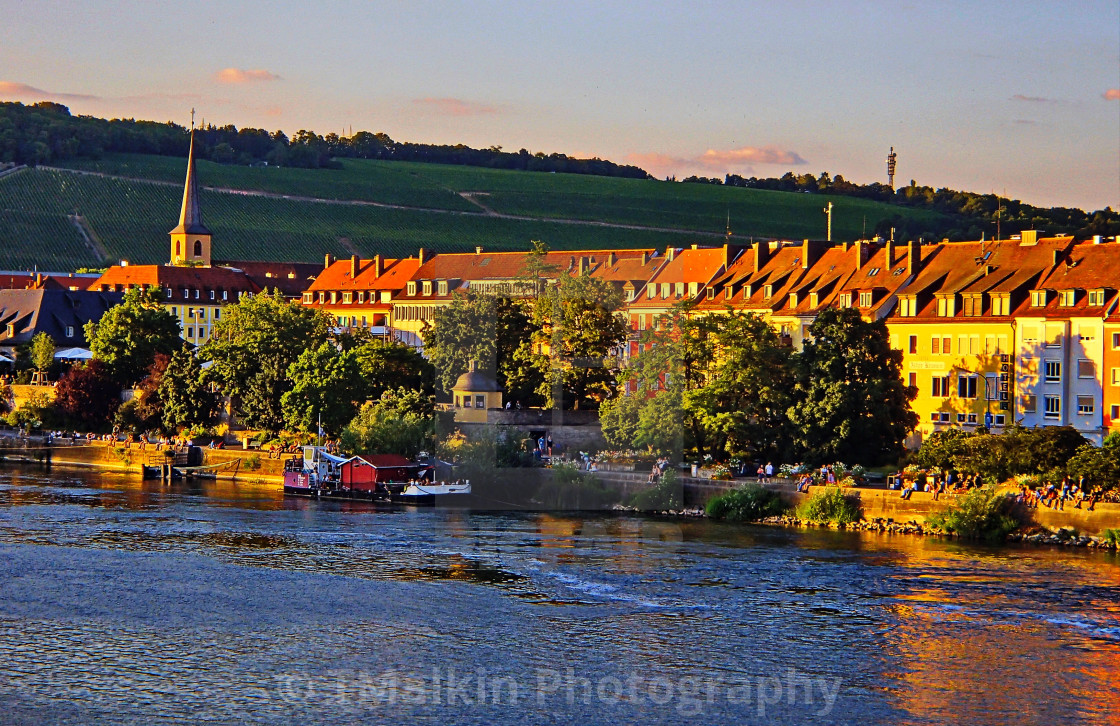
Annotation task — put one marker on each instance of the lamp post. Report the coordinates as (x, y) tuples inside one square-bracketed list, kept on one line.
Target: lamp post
[(988, 419)]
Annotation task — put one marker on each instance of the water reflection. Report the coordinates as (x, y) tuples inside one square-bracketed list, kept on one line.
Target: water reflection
[(199, 595)]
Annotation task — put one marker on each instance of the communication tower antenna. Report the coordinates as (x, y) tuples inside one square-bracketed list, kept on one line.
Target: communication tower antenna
[(828, 211), (892, 162), (729, 224)]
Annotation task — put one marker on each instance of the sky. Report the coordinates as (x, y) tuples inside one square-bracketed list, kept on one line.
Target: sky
[(1021, 99)]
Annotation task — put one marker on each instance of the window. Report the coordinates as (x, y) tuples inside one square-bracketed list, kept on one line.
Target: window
[(966, 385), (1066, 298), (845, 299), (426, 287), (641, 322), (728, 292), (1053, 406), (1116, 376), (873, 272), (651, 291), (767, 291), (945, 307), (1116, 341), (186, 294), (307, 297), (865, 299), (1084, 405), (907, 307), (1001, 305), (217, 314), (1038, 298), (711, 294), (693, 288), (334, 296), (664, 290), (197, 292), (1029, 404), (442, 287), (1086, 369), (202, 313), (169, 293), (913, 380), (1000, 419), (1096, 297), (69, 331), (940, 387), (944, 417), (1115, 413), (913, 344), (1053, 371), (1087, 335), (190, 312), (935, 417), (971, 420), (225, 295), (197, 248), (213, 294), (935, 345), (175, 312), (947, 345), (480, 401), (412, 288), (1030, 333), (466, 401), (960, 418), (973, 306), (361, 297), (190, 332)]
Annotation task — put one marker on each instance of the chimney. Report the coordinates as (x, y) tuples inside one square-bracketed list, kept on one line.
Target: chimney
[(1096, 239), (423, 255), (582, 266), (726, 256), (811, 251), (861, 254), (478, 250), (670, 253), (761, 255), (913, 258), (328, 260), (1056, 257), (378, 266), (612, 258), (889, 247), (1028, 237), (355, 266), (645, 258)]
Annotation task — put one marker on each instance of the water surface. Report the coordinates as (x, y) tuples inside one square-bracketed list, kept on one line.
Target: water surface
[(124, 601)]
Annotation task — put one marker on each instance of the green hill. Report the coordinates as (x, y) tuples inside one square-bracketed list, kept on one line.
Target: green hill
[(387, 207)]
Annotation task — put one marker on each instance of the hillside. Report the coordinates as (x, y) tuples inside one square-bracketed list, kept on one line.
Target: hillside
[(126, 204)]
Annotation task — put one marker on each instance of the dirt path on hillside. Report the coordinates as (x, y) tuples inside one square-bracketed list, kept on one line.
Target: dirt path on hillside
[(469, 196)]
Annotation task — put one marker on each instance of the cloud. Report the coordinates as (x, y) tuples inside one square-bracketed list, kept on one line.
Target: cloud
[(749, 155), (1112, 94), (453, 107), (240, 75), (13, 89), (1033, 99)]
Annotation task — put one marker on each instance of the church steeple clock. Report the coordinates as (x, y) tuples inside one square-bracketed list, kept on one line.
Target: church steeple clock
[(190, 241)]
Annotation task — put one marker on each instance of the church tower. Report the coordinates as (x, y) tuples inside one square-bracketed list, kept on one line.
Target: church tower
[(190, 241)]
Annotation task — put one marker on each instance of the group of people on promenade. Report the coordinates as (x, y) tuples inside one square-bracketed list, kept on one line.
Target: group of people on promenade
[(658, 469), (938, 483), (1055, 497)]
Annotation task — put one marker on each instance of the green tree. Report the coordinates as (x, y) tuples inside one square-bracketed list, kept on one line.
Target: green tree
[(619, 418), (386, 365), (185, 394), (327, 388), (851, 403), (578, 331), (252, 348), (400, 422), (42, 352), (484, 328), (129, 336), (1100, 467)]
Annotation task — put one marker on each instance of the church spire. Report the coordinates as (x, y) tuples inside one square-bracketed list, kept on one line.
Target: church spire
[(190, 241)]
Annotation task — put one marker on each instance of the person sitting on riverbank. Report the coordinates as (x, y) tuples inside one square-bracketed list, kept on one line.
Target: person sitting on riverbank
[(907, 490), (804, 483)]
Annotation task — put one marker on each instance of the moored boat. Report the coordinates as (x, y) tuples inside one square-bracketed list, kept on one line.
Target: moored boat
[(380, 477)]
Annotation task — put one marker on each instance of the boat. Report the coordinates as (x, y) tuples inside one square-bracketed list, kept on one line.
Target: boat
[(380, 477)]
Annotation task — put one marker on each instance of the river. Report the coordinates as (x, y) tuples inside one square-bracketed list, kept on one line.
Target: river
[(124, 601)]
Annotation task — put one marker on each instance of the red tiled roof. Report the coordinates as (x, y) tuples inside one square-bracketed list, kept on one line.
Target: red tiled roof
[(290, 278), (394, 274), (174, 277)]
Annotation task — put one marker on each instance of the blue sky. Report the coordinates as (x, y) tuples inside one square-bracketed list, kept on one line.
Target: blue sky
[(1022, 98)]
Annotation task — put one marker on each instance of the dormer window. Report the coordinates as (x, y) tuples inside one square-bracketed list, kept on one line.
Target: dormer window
[(793, 299), (728, 292), (1096, 297), (1001, 305), (361, 297), (908, 306), (845, 299), (664, 290), (814, 299), (768, 291), (748, 290), (411, 288), (426, 287), (213, 294), (711, 293), (973, 306), (334, 297), (442, 287), (693, 288), (946, 306), (865, 299), (307, 298), (1038, 298), (347, 297), (322, 296), (678, 289), (169, 293), (630, 295), (1067, 298)]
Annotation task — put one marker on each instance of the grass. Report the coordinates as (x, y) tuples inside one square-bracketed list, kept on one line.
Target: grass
[(830, 505), (748, 503)]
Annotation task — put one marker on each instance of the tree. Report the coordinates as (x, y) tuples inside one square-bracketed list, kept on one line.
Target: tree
[(578, 331), (87, 395), (400, 422), (42, 352), (184, 393), (1100, 467), (327, 388), (484, 328), (386, 365), (851, 403), (129, 336), (252, 348), (144, 411)]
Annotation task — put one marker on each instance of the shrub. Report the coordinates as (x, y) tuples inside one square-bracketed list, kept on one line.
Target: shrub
[(571, 488), (830, 505), (984, 514), (1111, 536), (748, 503), (665, 495), (252, 462)]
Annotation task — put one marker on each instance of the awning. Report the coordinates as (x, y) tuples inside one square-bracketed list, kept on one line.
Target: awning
[(5, 359), (73, 354)]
